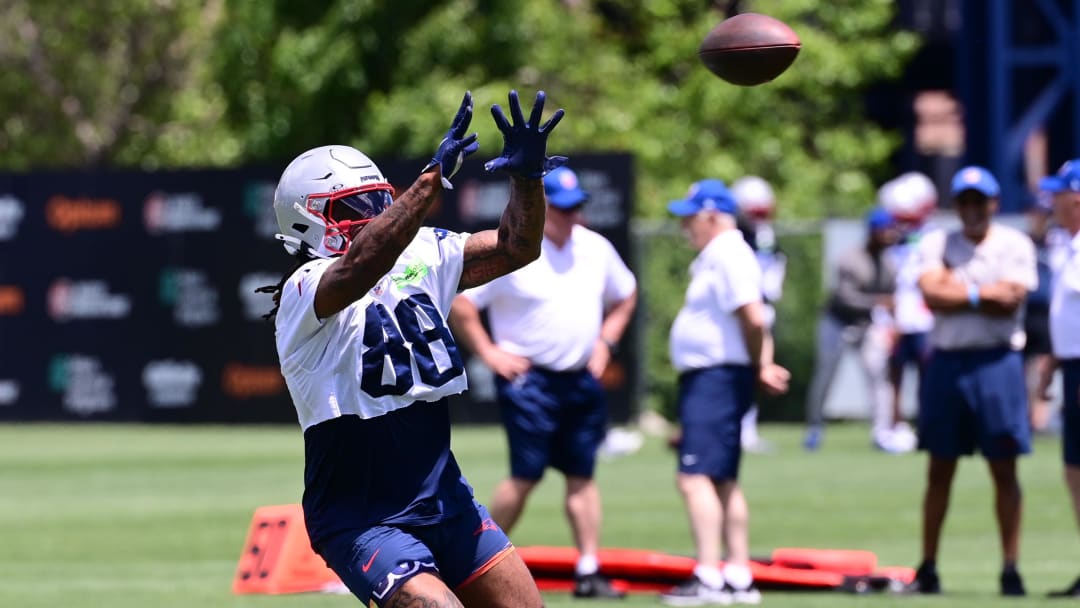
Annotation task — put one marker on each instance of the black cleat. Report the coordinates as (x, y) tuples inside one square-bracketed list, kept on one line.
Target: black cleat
[(1011, 583), (1070, 591), (596, 585), (926, 581)]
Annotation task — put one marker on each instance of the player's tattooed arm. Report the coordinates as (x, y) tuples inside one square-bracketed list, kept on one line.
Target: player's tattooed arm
[(516, 242), (489, 254), (376, 247)]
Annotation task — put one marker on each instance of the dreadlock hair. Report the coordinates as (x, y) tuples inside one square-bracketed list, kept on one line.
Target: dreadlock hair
[(301, 257)]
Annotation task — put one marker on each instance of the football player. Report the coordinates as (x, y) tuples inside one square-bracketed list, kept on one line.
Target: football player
[(365, 351), (757, 206)]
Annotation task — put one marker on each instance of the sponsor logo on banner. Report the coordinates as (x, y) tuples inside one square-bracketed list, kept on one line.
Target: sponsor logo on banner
[(259, 206), (69, 300), (481, 202), (12, 211), (9, 392), (243, 381), (86, 388), (165, 212), (12, 300), (257, 304), (171, 383), (74, 214), (606, 208), (193, 299)]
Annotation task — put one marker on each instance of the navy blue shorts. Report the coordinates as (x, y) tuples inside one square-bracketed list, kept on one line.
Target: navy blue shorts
[(375, 562), (1070, 408), (975, 397), (910, 348), (555, 419), (1037, 330), (712, 402)]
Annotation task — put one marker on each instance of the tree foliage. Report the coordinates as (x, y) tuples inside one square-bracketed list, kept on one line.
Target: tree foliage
[(224, 82), (386, 77), (174, 83), (124, 83)]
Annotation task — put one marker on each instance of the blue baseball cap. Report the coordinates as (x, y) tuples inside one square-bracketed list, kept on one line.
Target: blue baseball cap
[(879, 219), (1067, 178), (975, 178), (562, 190), (705, 194)]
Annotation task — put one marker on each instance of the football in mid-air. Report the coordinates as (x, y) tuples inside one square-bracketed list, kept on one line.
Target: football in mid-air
[(749, 49)]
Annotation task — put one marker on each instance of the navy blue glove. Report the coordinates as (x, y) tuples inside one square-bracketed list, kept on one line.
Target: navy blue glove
[(455, 146), (525, 143)]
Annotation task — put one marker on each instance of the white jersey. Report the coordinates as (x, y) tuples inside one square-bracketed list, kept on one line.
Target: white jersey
[(1006, 254), (724, 277), (911, 314), (551, 311), (1065, 303), (383, 352)]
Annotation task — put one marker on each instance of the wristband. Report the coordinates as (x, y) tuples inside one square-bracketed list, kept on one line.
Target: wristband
[(612, 346), (973, 295)]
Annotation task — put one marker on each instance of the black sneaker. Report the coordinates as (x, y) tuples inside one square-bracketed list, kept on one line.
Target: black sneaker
[(1011, 583), (695, 592), (1070, 591), (596, 585), (926, 581)]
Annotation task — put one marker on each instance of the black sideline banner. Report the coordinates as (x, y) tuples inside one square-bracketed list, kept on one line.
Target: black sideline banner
[(129, 296)]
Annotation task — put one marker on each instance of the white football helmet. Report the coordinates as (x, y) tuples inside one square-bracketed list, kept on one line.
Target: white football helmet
[(923, 192), (313, 184), (910, 197), (754, 196), (889, 196)]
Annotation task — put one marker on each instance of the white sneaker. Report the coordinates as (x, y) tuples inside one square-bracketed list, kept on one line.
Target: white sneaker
[(695, 592), (757, 445), (749, 596), (899, 440), (620, 442)]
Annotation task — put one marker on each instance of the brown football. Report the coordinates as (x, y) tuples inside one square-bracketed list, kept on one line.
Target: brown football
[(749, 49)]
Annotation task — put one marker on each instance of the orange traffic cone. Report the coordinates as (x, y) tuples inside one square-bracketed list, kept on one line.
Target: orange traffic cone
[(277, 555)]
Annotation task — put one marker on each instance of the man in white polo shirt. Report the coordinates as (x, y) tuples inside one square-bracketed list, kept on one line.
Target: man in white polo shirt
[(975, 279), (554, 327), (1065, 326), (721, 347)]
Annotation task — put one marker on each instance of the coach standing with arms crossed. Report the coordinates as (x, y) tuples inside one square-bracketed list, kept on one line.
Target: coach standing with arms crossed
[(554, 327), (720, 345), (975, 281), (1065, 326)]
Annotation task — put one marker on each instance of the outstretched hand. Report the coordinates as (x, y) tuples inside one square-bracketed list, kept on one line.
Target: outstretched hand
[(456, 145), (525, 143)]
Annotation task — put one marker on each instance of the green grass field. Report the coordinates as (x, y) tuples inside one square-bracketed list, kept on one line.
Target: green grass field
[(123, 516)]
